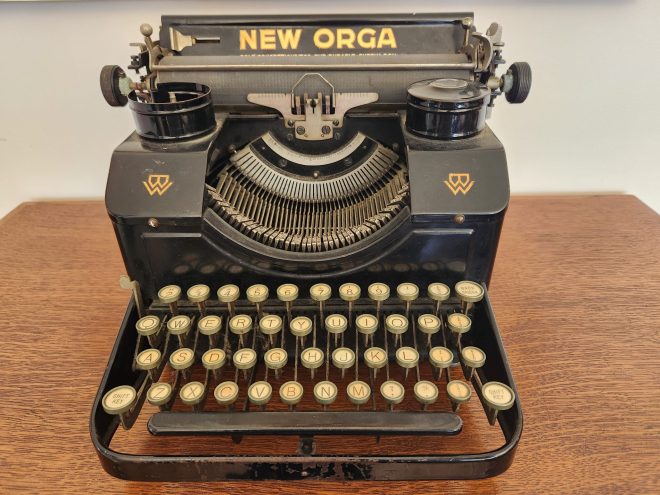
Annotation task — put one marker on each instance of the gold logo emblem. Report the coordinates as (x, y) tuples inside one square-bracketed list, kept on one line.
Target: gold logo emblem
[(157, 184), (459, 183)]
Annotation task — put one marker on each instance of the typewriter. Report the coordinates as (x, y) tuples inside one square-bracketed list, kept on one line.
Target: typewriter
[(309, 212)]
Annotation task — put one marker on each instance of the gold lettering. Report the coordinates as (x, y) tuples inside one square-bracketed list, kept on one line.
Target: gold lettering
[(324, 38), (367, 39), (267, 39), (289, 39), (386, 38), (345, 38), (248, 38)]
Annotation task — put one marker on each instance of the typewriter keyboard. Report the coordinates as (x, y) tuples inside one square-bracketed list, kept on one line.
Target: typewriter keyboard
[(321, 361)]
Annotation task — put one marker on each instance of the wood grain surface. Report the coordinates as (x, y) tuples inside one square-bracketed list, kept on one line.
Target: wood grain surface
[(576, 291)]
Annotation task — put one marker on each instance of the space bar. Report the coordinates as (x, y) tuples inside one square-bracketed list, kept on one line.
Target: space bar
[(305, 423)]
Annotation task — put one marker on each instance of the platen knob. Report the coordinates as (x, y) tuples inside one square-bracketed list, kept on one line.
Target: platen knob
[(520, 74), (110, 77)]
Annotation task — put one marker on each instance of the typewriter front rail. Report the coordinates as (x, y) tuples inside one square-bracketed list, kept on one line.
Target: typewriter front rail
[(310, 424)]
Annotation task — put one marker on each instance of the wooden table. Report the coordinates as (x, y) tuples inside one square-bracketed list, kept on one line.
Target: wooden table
[(576, 291)]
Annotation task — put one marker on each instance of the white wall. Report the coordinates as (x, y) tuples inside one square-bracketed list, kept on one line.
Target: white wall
[(591, 123)]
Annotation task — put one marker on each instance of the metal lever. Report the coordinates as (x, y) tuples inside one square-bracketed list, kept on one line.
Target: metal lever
[(126, 283)]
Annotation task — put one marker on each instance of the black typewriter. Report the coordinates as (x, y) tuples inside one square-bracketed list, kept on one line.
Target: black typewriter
[(309, 212)]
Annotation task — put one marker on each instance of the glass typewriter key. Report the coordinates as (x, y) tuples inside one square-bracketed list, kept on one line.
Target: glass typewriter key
[(375, 358), (287, 293), (159, 394), (229, 294), (210, 326), (181, 360), (407, 292), (458, 392), (367, 326), (441, 359), (378, 292), (439, 293), (407, 358), (343, 358), (245, 359), (358, 392), (320, 293), (149, 360), (349, 292), (180, 326), (257, 294), (429, 324), (473, 357), (213, 360), (199, 294), (119, 401), (276, 359), (193, 394), (270, 325), (498, 397), (291, 393), (336, 324), (300, 327), (170, 295), (426, 393), (226, 394), (312, 358), (240, 325), (396, 325), (393, 393), (259, 394), (148, 326), (325, 393), (459, 324), (469, 293)]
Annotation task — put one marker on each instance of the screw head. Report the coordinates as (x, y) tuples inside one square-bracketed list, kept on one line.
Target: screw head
[(335, 122), (325, 129), (459, 219), (153, 223), (300, 130)]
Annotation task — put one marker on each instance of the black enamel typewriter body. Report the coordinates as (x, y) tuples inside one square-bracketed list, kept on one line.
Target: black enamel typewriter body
[(309, 212)]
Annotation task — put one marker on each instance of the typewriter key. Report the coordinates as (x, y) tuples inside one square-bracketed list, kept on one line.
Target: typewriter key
[(181, 360), (199, 294), (259, 394), (180, 326), (375, 358), (473, 357), (426, 393), (429, 324), (193, 394), (378, 292), (469, 293), (148, 326), (240, 325), (358, 392), (441, 358), (301, 326), (325, 393), (211, 326), (458, 392), (393, 393), (229, 294), (245, 359), (170, 295), (343, 358), (459, 324), (439, 293), (349, 292), (407, 292), (159, 394), (226, 394), (336, 324), (498, 397), (119, 401), (367, 326), (270, 325), (257, 294), (396, 325), (320, 293), (407, 358), (291, 393), (287, 293), (213, 360), (149, 360), (312, 358), (276, 359)]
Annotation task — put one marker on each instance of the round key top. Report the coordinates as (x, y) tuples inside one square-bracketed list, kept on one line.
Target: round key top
[(426, 392), (396, 324), (378, 292), (459, 323), (291, 393), (192, 394), (226, 393), (270, 325), (169, 294), (336, 323), (228, 293), (240, 325), (358, 392), (276, 359), (259, 393), (349, 292), (343, 358), (366, 324), (407, 358), (393, 392), (311, 358), (458, 392), (244, 359), (429, 324), (159, 394), (287, 292), (301, 326), (182, 359), (179, 325), (325, 393), (149, 360), (441, 357), (407, 292), (198, 293), (473, 357), (209, 325), (498, 397), (148, 325), (257, 293), (468, 291), (119, 400), (214, 359), (320, 292), (438, 292), (375, 358)]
